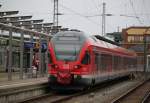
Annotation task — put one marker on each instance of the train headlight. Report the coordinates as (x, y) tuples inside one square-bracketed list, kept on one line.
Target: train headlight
[(55, 66), (77, 66)]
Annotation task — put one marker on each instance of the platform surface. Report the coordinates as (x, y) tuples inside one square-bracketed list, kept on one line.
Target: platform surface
[(24, 82)]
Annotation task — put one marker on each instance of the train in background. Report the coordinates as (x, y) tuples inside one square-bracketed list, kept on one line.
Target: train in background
[(76, 58)]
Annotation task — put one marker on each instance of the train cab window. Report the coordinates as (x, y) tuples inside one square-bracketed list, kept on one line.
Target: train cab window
[(86, 58), (49, 58)]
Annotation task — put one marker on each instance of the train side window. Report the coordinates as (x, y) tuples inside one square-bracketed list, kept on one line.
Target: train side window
[(106, 62), (116, 63), (103, 62), (86, 58), (97, 60), (49, 58)]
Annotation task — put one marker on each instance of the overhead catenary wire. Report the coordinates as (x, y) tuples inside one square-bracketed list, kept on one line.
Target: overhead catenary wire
[(131, 3), (79, 14), (147, 15), (95, 5)]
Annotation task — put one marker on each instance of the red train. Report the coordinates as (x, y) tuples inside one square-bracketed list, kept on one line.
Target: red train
[(79, 58)]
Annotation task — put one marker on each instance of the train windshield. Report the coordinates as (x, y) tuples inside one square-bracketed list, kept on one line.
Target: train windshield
[(66, 51), (67, 46)]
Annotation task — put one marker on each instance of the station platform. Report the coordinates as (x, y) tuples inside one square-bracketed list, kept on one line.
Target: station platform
[(22, 83)]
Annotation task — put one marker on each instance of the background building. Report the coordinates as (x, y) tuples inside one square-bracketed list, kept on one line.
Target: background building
[(138, 39), (117, 37)]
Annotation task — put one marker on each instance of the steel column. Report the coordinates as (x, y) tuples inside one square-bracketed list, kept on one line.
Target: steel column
[(103, 19), (10, 55), (40, 63), (21, 55), (3, 51), (31, 52), (46, 54)]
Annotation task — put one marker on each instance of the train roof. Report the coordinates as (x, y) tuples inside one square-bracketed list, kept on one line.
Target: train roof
[(71, 33), (98, 41), (106, 40), (112, 47)]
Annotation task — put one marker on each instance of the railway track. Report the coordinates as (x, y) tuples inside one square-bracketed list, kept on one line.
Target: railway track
[(58, 98), (54, 97), (51, 98), (138, 94)]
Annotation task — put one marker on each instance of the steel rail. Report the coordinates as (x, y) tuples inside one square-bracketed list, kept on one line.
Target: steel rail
[(146, 97), (34, 98), (118, 99)]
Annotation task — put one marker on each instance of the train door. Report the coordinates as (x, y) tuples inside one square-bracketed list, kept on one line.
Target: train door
[(112, 62), (148, 63), (96, 61)]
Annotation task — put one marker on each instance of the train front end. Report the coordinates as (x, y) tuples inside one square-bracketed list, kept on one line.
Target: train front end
[(68, 58)]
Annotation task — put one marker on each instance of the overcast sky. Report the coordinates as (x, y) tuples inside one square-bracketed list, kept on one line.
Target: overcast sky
[(75, 13)]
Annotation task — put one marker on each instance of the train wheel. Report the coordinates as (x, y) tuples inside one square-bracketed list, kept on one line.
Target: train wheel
[(72, 78), (93, 82), (90, 85), (132, 76)]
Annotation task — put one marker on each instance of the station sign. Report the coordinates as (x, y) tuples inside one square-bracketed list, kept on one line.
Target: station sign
[(28, 45), (44, 46), (35, 46)]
